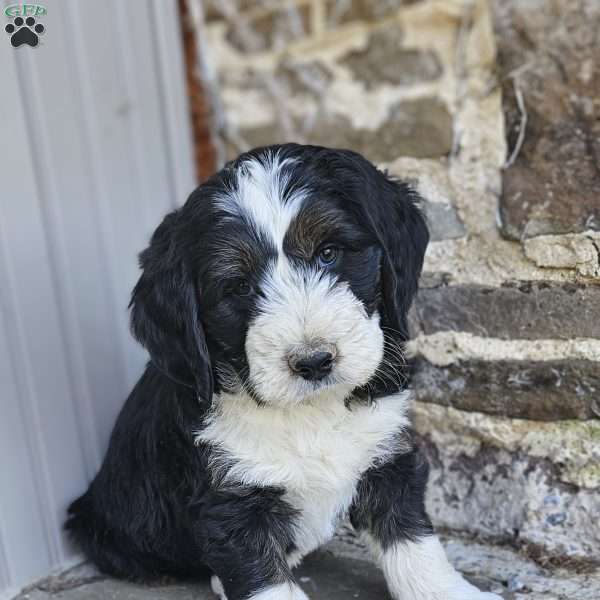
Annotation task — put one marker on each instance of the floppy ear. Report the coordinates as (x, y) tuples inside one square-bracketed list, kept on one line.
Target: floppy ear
[(391, 208), (402, 232), (164, 312)]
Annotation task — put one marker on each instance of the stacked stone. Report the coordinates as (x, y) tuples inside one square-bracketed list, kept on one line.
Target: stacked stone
[(507, 322)]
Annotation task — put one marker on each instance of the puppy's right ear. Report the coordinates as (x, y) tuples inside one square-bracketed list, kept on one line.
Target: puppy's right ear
[(165, 315)]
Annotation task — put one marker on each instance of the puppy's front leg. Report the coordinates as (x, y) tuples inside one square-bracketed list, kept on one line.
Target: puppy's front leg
[(245, 535), (389, 511)]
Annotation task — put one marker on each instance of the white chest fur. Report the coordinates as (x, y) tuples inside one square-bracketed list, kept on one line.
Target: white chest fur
[(316, 452)]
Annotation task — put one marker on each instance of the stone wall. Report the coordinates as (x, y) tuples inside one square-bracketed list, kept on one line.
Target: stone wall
[(491, 109)]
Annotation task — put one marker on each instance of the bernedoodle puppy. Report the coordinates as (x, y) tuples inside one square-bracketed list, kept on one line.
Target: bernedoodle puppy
[(274, 308)]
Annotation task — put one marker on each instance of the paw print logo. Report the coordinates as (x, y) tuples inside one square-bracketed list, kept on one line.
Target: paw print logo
[(24, 31)]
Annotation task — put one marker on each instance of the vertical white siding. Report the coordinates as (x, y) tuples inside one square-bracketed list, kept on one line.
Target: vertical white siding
[(94, 149)]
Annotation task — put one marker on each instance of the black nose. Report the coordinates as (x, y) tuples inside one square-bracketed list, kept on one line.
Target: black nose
[(313, 367)]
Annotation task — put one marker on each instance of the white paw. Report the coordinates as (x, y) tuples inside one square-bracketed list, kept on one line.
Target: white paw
[(298, 594), (466, 591), (420, 571), (277, 592), (283, 591), (217, 588)]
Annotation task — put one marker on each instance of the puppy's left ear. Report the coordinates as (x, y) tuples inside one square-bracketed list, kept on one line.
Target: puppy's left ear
[(392, 208), (164, 312)]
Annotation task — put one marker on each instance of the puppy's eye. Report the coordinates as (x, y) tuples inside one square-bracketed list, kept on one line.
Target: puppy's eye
[(328, 255), (242, 288)]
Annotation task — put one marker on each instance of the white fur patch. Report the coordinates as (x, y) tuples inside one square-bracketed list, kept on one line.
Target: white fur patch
[(217, 588), (317, 451), (420, 571), (301, 308), (283, 591), (259, 196)]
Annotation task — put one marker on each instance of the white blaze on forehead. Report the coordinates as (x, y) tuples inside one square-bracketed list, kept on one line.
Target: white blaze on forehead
[(259, 196)]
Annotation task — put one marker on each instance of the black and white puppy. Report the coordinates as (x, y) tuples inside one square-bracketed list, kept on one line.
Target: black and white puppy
[(273, 305)]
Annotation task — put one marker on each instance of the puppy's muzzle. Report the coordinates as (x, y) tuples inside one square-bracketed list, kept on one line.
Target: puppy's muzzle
[(312, 363)]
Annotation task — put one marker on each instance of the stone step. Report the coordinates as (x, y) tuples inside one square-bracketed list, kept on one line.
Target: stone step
[(343, 571)]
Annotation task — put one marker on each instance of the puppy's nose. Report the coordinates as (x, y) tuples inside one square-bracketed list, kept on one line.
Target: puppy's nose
[(313, 367)]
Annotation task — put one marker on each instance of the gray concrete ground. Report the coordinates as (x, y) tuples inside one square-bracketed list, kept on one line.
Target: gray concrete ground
[(342, 571)]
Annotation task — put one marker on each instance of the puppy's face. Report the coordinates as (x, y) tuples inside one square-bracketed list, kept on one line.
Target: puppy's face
[(290, 289), (287, 254)]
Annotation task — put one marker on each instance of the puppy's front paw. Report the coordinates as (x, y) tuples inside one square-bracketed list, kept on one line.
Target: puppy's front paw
[(284, 591), (299, 594), (466, 591), (276, 592), (420, 571), (217, 587)]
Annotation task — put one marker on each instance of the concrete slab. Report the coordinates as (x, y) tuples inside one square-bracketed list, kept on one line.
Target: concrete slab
[(323, 576), (343, 571)]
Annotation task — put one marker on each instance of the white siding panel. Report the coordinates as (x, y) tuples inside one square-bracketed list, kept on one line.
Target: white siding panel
[(94, 149)]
